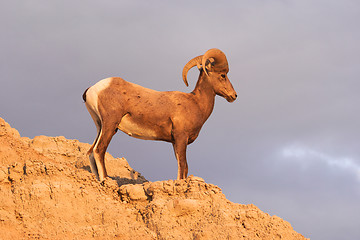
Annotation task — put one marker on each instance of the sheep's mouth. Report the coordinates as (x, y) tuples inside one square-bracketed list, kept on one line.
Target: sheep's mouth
[(230, 98)]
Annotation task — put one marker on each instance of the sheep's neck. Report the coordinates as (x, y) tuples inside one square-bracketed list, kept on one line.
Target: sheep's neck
[(205, 95)]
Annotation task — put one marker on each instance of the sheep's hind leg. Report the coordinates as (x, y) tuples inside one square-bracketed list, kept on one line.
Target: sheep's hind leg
[(97, 121), (93, 166), (100, 147)]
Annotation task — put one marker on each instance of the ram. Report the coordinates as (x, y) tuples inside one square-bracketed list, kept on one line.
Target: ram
[(174, 117)]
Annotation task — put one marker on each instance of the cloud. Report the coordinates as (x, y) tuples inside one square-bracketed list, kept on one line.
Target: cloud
[(309, 156)]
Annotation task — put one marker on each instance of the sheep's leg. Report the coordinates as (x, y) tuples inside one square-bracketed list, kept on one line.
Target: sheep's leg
[(180, 153), (100, 147), (97, 122), (93, 166)]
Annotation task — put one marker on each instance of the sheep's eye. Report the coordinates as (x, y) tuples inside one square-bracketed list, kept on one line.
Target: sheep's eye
[(223, 75)]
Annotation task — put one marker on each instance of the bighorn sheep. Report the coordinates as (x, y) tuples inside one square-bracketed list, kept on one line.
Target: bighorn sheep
[(175, 117)]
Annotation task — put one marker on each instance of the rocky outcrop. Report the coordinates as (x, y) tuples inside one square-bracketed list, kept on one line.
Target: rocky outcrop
[(48, 192)]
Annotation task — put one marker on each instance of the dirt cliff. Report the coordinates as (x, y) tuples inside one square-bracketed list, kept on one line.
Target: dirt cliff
[(48, 192)]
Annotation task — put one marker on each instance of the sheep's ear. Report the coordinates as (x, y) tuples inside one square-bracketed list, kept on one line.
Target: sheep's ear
[(212, 61), (209, 63)]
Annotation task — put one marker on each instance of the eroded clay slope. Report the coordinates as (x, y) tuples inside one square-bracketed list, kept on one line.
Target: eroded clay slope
[(48, 192)]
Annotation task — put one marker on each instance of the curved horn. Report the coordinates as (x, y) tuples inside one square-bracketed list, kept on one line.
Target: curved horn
[(218, 59), (192, 63)]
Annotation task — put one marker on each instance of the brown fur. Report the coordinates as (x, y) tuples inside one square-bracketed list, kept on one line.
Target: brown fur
[(144, 113)]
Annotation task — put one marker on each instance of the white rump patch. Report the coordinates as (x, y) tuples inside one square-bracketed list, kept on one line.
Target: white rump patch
[(93, 92)]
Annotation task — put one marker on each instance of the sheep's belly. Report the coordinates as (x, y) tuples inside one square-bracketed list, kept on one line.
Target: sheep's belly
[(133, 129)]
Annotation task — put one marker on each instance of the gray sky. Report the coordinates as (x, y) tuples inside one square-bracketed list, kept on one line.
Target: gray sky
[(289, 144)]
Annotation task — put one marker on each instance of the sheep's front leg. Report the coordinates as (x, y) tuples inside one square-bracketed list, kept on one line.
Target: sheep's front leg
[(180, 153)]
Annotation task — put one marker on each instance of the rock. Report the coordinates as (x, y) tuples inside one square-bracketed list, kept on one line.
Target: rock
[(47, 191), (133, 192), (4, 177), (5, 129), (181, 207)]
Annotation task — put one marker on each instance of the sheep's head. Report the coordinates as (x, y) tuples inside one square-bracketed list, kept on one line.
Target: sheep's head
[(216, 67)]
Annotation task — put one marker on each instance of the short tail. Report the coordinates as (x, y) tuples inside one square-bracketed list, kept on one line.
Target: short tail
[(84, 94)]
